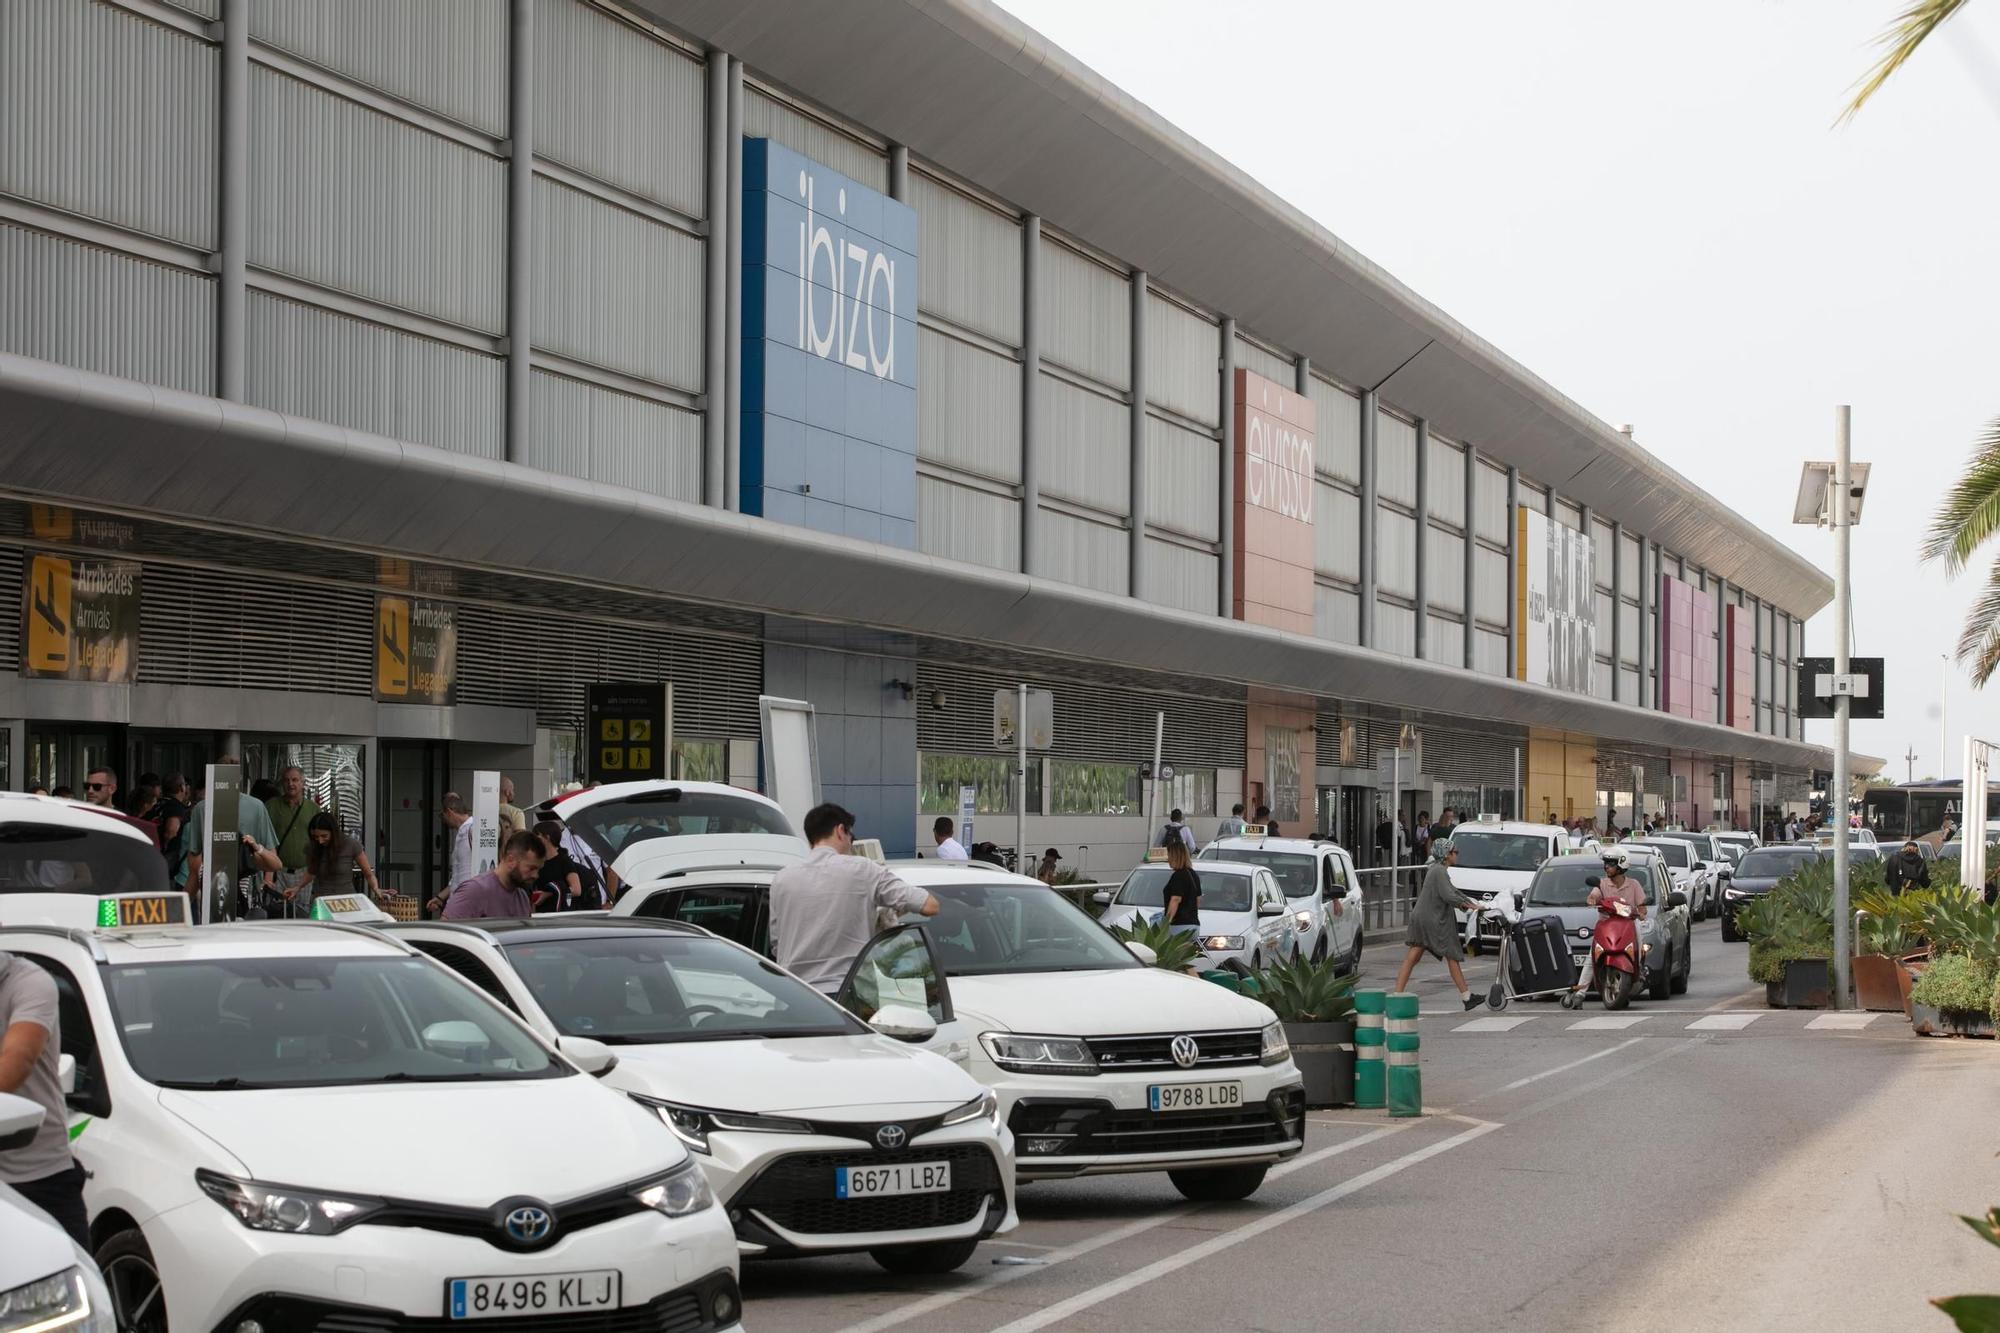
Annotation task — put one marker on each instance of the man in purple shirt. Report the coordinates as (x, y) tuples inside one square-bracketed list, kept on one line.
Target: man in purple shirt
[(506, 889)]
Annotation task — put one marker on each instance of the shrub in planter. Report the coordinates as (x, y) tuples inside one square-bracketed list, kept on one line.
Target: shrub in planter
[(1171, 951), (1316, 1005), (1959, 991)]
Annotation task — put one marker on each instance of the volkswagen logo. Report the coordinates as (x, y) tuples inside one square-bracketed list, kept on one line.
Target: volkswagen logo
[(528, 1224), (1185, 1052), (891, 1138)]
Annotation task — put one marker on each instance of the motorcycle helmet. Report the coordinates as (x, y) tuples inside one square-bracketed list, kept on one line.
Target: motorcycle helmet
[(1618, 856)]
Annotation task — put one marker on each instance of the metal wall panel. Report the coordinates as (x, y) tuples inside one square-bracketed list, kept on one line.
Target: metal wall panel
[(1489, 652), (1254, 356), (1444, 640), (615, 289), (98, 310), (961, 523), (619, 105), (1444, 573), (1178, 577), (970, 272), (1336, 531), (1490, 518), (10, 626), (1337, 431), (1628, 633), (1600, 553), (1336, 614), (1086, 315), (1603, 611), (314, 363), (1094, 721), (1489, 586), (1569, 515), (1396, 453), (1076, 550), (1085, 444), (1183, 482), (1628, 569), (358, 201), (1395, 552), (213, 627), (968, 407), (1533, 496), (107, 115), (450, 58), (583, 430), (1628, 685), (1395, 629), (1445, 481), (208, 9), (1183, 360), (765, 117)]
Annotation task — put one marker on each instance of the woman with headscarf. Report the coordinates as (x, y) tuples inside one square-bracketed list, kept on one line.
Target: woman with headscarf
[(1433, 929)]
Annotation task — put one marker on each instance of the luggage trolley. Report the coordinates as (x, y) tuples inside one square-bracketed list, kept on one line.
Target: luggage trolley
[(1535, 961)]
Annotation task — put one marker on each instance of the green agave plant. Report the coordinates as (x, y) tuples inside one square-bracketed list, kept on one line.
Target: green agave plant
[(1173, 952), (1968, 926), (1303, 991)]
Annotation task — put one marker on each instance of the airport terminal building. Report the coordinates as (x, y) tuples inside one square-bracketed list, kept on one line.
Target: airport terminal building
[(375, 378)]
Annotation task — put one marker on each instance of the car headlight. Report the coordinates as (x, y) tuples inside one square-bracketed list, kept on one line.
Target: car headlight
[(1038, 1055), (69, 1302), (678, 1193), (986, 1106), (1277, 1050), (1734, 895), (285, 1208), (1305, 920), (1222, 943), (693, 1124)]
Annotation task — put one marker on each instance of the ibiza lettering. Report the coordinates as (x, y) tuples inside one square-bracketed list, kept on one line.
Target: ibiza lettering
[(1278, 467), (848, 284)]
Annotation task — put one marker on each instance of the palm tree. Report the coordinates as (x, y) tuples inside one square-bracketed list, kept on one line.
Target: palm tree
[(1968, 518)]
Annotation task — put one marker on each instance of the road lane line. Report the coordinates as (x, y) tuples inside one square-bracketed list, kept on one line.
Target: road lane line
[(1054, 1258), (1175, 1263), (1493, 1024), (1723, 1023), (1841, 1022), (1564, 1069), (1734, 1001), (1607, 1023)]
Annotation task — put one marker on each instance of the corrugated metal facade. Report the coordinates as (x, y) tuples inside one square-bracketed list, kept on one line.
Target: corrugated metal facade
[(1085, 311), (1395, 552), (1395, 629), (1337, 431), (109, 116), (765, 117), (1444, 640), (1080, 551), (1396, 459), (305, 360), (970, 270), (615, 289), (1183, 480), (1489, 652), (968, 407), (582, 430), (450, 58), (614, 103), (208, 9), (1178, 577), (1628, 578), (1183, 356), (1255, 356), (1094, 722), (1490, 519), (10, 626), (215, 628), (1628, 634), (76, 304), (1489, 586), (962, 523), (1336, 614), (1085, 443), (1444, 569), (1446, 482), (361, 202), (1337, 532)]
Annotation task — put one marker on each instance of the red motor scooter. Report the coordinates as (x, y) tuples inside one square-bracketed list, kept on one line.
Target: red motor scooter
[(1615, 952)]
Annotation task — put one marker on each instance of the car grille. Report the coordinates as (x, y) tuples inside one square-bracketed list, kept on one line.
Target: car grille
[(1156, 1051), (797, 1193), (1096, 1128), (683, 1311)]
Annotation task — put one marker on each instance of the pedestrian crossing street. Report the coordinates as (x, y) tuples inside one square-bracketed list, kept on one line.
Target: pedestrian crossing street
[(1762, 1021)]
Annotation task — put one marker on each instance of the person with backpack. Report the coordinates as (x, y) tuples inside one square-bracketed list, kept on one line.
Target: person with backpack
[(1175, 831), (566, 884)]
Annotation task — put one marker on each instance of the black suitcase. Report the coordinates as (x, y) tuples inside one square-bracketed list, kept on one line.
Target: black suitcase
[(1539, 960)]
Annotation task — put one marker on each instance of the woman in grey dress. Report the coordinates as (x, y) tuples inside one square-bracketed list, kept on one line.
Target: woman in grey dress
[(1432, 929)]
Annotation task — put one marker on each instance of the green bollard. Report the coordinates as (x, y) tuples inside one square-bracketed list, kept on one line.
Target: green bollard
[(1369, 1079), (1405, 1075)]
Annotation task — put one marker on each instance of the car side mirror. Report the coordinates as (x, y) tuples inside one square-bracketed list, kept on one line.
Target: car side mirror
[(591, 1056), (66, 1074), (1677, 899), (1141, 952), (20, 1121), (1102, 898), (904, 1022), (1270, 909), (1591, 881)]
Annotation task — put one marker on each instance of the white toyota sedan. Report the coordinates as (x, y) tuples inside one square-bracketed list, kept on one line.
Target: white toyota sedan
[(292, 1126), (819, 1136)]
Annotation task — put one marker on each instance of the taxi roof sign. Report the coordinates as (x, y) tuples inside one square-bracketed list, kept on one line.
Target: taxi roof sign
[(1254, 830), (142, 909), (348, 907)]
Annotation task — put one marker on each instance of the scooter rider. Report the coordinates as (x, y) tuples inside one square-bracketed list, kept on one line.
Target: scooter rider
[(1617, 886)]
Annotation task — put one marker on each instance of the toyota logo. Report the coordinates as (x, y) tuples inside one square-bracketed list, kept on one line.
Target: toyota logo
[(891, 1138), (1185, 1052), (529, 1224)]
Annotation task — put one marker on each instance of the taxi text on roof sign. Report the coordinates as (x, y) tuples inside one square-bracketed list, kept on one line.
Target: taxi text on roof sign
[(155, 909)]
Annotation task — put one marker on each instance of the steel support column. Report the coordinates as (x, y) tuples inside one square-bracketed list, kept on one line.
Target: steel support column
[(232, 260), (1136, 575), (1617, 610), (1225, 565), (1471, 543), (1513, 572), (520, 224), (1367, 534), (732, 423), (1422, 553), (1031, 389), (899, 173), (715, 314)]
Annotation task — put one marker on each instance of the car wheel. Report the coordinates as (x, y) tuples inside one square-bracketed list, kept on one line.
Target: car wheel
[(138, 1302), (925, 1260), (1319, 950), (1661, 984), (1729, 935), (1679, 984), (1256, 963), (1354, 959), (1222, 1184)]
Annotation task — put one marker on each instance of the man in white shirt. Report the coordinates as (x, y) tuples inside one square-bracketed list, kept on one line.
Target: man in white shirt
[(457, 819), (823, 910), (949, 848)]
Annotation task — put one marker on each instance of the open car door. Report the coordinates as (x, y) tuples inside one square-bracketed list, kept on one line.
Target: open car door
[(898, 987)]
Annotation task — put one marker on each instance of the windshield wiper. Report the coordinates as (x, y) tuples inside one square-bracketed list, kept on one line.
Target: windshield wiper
[(229, 1083), (470, 1076)]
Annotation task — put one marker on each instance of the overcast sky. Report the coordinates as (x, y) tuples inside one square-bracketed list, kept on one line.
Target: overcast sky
[(1651, 207)]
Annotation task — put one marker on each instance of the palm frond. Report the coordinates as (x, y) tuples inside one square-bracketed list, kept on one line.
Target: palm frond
[(1979, 645), (1970, 513), (1899, 41)]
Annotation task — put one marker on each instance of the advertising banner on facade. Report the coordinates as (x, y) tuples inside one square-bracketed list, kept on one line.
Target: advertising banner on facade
[(1556, 606), (1272, 454), (219, 862), (486, 828), (631, 731), (80, 619), (416, 651)]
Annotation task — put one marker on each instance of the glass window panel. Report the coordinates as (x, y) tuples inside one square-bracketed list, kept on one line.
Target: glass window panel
[(939, 777), (1094, 789)]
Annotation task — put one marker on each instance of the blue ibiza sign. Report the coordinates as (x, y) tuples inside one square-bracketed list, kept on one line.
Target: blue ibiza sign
[(829, 350)]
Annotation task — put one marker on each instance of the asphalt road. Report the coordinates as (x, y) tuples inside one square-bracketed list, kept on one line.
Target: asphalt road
[(1706, 1164)]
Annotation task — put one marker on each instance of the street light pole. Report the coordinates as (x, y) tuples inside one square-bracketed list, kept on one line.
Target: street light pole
[(1944, 730), (1842, 700)]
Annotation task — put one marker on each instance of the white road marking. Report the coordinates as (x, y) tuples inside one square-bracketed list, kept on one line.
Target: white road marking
[(1723, 1023), (1607, 1024), (1841, 1022), (1563, 1069), (1177, 1262), (1493, 1024)]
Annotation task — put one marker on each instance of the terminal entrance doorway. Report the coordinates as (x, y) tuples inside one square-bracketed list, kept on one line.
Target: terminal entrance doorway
[(411, 854)]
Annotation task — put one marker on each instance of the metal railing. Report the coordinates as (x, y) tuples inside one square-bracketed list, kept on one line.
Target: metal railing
[(1387, 895)]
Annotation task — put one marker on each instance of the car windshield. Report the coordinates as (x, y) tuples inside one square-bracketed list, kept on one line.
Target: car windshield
[(1951, 851), (1295, 872), (1499, 851), (990, 929), (1566, 883), (1863, 851), (55, 858), (1773, 862), (612, 826), (1677, 854), (661, 986), (1221, 891), (313, 1022), (1705, 848)]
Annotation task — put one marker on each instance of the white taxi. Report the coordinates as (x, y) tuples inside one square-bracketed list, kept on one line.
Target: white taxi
[(819, 1136), (1321, 889), (1501, 856), (301, 1127), (47, 1283)]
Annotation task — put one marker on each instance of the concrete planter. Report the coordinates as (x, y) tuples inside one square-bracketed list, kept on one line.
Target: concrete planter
[(1808, 983), (1324, 1053), (1929, 1022)]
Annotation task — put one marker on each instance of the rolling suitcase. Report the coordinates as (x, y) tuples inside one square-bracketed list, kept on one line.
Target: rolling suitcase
[(1539, 960)]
